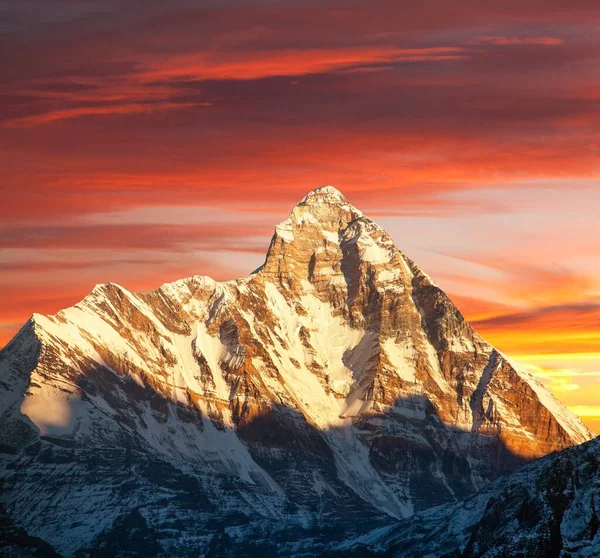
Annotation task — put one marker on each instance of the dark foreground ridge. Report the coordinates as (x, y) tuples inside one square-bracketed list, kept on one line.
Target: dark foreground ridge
[(546, 509)]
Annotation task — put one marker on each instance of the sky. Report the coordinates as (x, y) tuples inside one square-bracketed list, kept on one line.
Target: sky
[(142, 142)]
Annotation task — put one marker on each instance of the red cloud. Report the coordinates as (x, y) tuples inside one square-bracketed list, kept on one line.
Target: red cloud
[(78, 112)]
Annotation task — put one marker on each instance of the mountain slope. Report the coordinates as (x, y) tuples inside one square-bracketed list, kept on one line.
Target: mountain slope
[(337, 382), (546, 509), (16, 543)]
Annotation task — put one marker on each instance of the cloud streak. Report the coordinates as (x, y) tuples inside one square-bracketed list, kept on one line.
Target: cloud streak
[(79, 112), (517, 41)]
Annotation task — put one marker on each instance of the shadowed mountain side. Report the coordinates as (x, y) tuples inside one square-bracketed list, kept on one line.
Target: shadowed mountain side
[(545, 509), (16, 543), (111, 495)]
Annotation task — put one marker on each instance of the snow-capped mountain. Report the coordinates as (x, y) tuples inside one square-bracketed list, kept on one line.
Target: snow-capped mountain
[(332, 391)]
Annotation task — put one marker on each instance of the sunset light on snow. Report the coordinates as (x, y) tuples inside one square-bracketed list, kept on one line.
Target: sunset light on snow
[(139, 147)]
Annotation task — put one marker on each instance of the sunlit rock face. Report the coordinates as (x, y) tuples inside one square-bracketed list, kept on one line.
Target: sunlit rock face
[(331, 391)]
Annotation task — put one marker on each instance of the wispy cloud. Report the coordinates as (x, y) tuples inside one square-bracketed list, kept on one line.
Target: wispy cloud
[(588, 411), (560, 380), (106, 110), (237, 65), (498, 40)]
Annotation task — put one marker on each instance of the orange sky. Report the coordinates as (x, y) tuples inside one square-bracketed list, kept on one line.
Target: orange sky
[(143, 142)]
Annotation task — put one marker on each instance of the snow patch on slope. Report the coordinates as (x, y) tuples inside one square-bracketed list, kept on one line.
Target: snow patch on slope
[(56, 412), (402, 358)]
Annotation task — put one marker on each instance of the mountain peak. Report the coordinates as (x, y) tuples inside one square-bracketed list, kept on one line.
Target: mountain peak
[(325, 203), (324, 208), (323, 233), (327, 193)]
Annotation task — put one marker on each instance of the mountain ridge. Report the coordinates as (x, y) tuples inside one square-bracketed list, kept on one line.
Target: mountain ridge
[(547, 508)]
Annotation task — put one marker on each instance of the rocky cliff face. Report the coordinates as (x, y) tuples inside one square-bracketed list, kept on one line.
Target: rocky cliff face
[(337, 382)]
